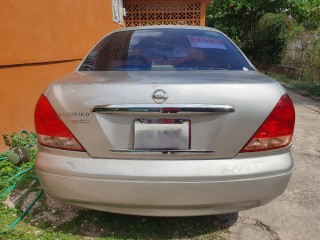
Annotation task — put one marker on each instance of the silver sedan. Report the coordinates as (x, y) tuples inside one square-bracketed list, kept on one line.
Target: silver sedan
[(165, 121)]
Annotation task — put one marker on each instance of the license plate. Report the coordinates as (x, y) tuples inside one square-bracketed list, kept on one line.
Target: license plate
[(167, 134)]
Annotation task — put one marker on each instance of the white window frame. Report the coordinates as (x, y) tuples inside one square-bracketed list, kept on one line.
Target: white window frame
[(117, 11)]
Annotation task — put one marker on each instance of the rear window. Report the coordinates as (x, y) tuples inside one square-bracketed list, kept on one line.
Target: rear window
[(164, 49)]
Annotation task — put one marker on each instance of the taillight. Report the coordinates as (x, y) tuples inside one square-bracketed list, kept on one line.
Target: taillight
[(277, 129), (51, 131)]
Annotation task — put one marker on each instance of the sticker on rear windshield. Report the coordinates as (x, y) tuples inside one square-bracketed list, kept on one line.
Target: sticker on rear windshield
[(206, 42)]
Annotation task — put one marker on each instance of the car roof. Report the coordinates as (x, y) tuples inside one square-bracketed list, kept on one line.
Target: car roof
[(167, 27)]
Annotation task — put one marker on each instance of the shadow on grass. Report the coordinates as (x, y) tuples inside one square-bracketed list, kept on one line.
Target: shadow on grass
[(91, 223)]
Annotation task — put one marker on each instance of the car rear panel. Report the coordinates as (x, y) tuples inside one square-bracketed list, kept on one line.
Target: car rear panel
[(219, 135), (164, 188)]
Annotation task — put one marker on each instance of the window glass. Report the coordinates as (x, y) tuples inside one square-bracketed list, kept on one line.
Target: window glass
[(165, 49)]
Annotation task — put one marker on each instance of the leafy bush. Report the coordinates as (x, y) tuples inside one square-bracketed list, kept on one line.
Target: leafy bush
[(311, 69), (239, 18), (307, 13), (311, 88), (8, 170), (270, 38), (25, 139), (303, 51), (296, 45)]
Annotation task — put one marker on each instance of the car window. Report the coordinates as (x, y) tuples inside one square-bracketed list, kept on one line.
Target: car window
[(165, 49)]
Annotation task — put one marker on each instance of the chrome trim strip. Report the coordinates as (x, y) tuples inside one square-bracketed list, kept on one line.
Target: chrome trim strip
[(163, 108), (161, 151)]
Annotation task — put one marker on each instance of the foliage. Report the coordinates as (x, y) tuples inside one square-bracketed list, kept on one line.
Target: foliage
[(270, 38), (310, 88), (19, 140), (296, 45), (239, 18), (8, 169), (303, 51), (306, 12), (311, 67)]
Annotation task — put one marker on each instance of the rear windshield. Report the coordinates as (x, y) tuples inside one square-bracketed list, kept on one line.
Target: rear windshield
[(164, 49)]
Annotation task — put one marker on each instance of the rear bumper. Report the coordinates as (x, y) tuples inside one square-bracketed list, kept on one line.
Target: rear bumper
[(164, 187)]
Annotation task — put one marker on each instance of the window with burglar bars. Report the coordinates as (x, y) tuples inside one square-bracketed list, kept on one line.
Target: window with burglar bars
[(162, 14)]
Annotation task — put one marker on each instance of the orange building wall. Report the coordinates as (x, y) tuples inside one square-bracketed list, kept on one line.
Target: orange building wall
[(41, 40), (50, 30), (21, 88)]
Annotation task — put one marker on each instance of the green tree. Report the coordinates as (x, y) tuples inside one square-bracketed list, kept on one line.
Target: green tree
[(239, 18), (306, 13), (271, 37)]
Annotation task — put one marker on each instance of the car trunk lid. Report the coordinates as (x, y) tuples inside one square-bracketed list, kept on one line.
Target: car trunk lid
[(220, 109)]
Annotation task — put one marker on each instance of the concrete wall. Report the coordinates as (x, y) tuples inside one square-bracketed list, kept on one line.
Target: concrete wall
[(41, 40)]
